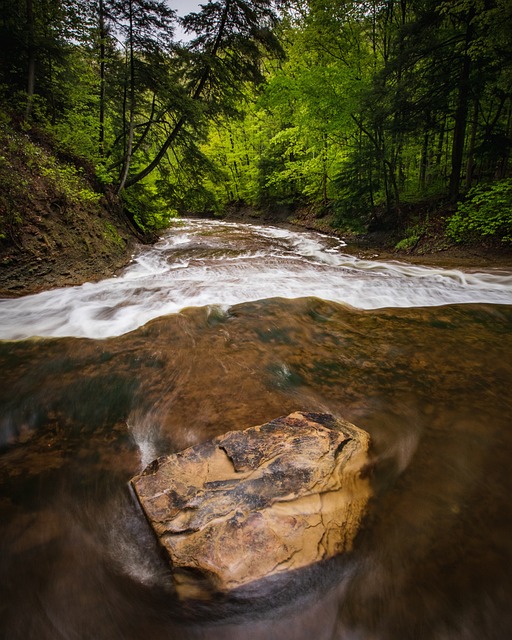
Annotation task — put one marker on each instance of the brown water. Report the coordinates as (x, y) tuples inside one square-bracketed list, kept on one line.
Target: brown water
[(432, 387), (79, 417)]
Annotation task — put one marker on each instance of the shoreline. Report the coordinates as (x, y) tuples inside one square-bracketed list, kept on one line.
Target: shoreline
[(28, 276), (376, 246)]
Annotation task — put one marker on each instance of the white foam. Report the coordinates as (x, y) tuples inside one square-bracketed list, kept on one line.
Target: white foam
[(230, 263)]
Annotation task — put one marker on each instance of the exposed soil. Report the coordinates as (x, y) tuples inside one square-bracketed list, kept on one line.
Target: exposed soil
[(456, 257), (50, 236), (52, 254)]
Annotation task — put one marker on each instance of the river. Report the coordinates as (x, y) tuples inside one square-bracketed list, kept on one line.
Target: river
[(223, 326)]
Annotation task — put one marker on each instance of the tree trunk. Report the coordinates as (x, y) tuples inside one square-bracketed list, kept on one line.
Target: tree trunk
[(31, 70), (424, 161), (387, 168), (183, 119), (324, 169), (461, 113), (394, 202), (440, 146), (502, 170), (370, 184), (129, 145), (102, 80), (470, 165)]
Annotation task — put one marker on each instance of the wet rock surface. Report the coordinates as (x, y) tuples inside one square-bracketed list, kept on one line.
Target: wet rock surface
[(255, 503)]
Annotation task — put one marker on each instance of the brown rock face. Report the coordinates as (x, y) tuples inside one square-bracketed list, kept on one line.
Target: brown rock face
[(254, 503)]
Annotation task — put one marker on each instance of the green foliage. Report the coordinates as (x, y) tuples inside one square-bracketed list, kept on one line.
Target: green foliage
[(412, 237), (13, 187), (103, 175), (112, 235), (30, 173), (352, 209), (200, 199), (76, 128), (67, 181), (362, 115), (147, 207), (486, 211)]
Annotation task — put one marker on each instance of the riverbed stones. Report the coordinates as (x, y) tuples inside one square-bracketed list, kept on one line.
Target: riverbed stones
[(254, 503)]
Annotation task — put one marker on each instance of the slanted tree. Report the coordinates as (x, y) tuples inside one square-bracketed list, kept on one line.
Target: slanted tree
[(146, 28), (233, 37)]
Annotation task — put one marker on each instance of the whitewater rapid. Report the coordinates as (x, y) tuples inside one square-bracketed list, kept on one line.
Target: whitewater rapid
[(220, 264)]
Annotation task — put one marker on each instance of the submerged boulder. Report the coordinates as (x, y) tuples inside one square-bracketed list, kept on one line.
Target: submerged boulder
[(251, 504)]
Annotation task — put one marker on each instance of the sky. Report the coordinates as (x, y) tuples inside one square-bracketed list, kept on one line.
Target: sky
[(183, 7)]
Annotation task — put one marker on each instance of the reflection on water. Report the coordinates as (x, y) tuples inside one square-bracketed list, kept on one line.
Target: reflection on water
[(432, 386)]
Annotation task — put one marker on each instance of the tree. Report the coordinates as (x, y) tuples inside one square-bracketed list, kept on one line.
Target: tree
[(233, 36), (383, 101), (146, 27)]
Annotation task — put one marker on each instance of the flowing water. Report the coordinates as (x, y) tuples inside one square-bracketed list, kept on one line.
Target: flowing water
[(223, 326)]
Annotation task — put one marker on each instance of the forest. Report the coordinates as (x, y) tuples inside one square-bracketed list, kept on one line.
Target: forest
[(362, 110), (255, 319)]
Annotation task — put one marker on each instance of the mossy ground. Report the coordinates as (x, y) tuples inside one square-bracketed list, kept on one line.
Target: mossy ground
[(57, 225)]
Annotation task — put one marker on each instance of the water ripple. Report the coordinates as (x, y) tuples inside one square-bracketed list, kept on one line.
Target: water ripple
[(205, 263)]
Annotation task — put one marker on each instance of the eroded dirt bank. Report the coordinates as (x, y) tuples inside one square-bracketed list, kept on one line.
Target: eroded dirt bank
[(52, 254), (51, 240), (58, 226)]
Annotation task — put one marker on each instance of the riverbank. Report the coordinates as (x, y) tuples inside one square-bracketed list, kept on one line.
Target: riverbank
[(82, 414), (431, 247), (64, 242), (58, 226), (217, 265)]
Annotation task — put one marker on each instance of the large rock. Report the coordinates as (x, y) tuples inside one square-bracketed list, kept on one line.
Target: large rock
[(254, 503)]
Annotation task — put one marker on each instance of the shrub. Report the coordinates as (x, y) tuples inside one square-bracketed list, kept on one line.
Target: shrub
[(407, 243), (486, 211)]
